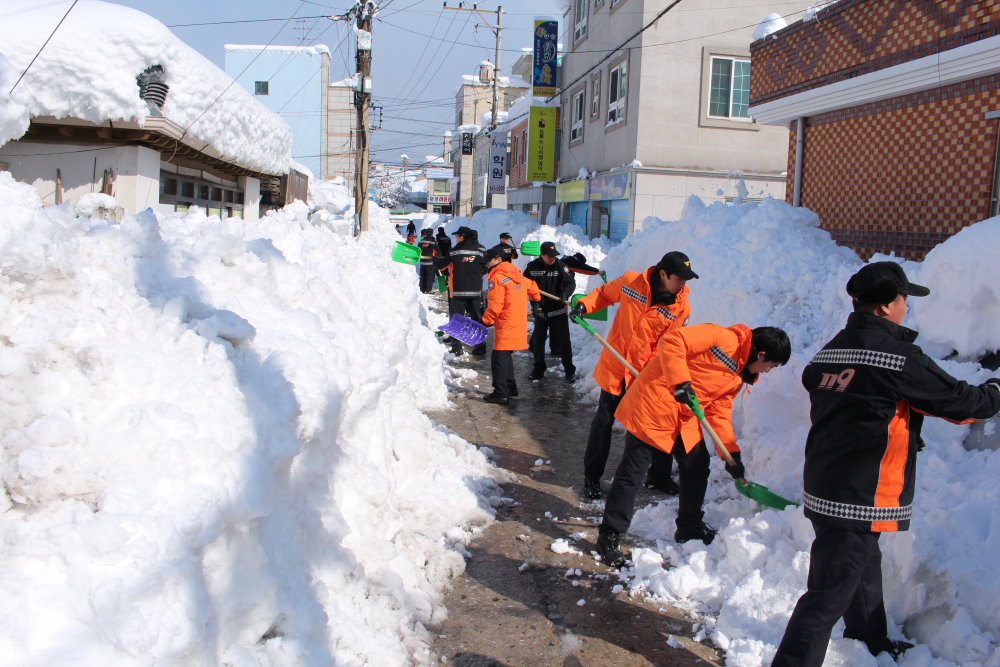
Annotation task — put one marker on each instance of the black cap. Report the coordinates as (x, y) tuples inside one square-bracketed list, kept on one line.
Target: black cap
[(493, 253), (549, 248), (677, 264), (463, 231), (882, 282), (504, 235)]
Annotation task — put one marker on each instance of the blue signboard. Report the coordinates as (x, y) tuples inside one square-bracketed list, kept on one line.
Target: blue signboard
[(543, 78)]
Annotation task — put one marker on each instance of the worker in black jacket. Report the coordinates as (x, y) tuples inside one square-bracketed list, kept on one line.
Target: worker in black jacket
[(552, 276), (411, 228), (466, 262), (443, 241), (429, 250), (506, 248), (869, 388)]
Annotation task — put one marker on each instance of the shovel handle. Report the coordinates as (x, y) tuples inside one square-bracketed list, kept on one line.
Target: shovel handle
[(716, 440), (553, 296)]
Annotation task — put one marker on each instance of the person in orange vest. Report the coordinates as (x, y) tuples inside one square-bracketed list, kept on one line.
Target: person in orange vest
[(707, 361), (507, 312), (651, 303)]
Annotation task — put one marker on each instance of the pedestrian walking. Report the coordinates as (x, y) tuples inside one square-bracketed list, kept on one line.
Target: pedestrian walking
[(507, 312), (506, 248), (429, 250), (707, 361), (443, 241), (869, 390), (410, 238), (411, 229), (650, 304), (465, 264), (552, 276)]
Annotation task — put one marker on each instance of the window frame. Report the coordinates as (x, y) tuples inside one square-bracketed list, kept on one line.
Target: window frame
[(595, 97), (732, 60), (580, 22), (259, 86), (618, 105), (705, 120), (578, 101)]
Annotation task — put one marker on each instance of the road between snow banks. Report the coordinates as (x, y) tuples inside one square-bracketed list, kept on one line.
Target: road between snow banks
[(515, 605)]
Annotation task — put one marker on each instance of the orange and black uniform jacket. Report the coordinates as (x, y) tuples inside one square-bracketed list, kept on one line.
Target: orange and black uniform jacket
[(428, 250), (638, 325), (869, 390), (507, 309), (468, 264), (708, 356)]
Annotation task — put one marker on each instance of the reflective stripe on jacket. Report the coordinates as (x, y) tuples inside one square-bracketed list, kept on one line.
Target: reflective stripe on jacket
[(507, 309), (637, 327), (708, 356), (869, 389), (556, 279), (428, 250), (467, 263)]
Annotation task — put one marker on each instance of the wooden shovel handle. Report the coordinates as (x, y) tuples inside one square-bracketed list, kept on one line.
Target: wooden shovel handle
[(600, 339)]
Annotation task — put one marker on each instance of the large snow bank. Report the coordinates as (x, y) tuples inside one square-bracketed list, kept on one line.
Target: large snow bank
[(89, 68), (213, 448), (772, 265), (14, 117)]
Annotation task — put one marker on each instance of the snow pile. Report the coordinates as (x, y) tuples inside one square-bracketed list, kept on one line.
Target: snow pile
[(771, 24), (95, 205), (772, 265), (14, 117), (89, 68), (213, 448)]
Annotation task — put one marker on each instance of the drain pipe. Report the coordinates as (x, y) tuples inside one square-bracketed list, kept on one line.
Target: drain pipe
[(800, 132)]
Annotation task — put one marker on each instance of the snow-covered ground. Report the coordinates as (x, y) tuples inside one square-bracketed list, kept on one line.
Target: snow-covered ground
[(213, 449), (772, 265)]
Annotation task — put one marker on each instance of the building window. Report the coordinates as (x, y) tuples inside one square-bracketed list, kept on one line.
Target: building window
[(729, 96), (617, 91), (260, 87), (576, 132), (524, 147), (513, 151), (580, 22), (595, 98)]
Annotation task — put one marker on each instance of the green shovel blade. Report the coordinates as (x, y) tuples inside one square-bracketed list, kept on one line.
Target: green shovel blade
[(761, 494), (405, 253), (599, 316), (531, 248), (442, 284)]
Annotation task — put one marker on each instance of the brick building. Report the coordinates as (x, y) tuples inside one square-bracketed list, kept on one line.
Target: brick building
[(897, 103), (522, 195)]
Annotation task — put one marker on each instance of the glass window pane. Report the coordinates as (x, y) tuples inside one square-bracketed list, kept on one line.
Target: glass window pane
[(621, 82), (613, 88), (741, 89), (722, 72)]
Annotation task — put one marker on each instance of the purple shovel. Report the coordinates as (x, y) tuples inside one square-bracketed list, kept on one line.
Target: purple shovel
[(467, 331)]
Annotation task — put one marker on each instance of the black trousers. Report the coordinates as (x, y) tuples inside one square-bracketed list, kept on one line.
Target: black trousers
[(502, 366), (557, 328), (693, 469), (845, 580), (599, 441), (428, 277), (469, 307)]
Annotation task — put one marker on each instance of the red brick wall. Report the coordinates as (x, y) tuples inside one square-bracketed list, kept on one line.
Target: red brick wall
[(855, 37), (517, 173), (902, 174)]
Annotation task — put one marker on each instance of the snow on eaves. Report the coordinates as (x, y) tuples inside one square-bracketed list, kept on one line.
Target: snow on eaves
[(88, 71)]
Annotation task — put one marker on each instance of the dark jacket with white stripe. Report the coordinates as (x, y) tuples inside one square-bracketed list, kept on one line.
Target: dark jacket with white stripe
[(870, 388), (467, 261), (557, 280), (428, 250)]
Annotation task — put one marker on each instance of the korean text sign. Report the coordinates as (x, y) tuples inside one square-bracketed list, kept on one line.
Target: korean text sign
[(543, 78), (541, 144)]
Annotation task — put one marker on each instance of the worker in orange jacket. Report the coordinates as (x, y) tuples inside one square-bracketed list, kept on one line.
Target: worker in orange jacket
[(707, 361), (507, 312), (650, 304)]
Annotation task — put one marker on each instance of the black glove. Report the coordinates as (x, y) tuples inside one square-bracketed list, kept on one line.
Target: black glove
[(684, 393), (536, 310), (579, 310), (737, 471)]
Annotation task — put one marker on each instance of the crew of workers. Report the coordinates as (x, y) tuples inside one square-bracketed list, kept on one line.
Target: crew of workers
[(870, 388)]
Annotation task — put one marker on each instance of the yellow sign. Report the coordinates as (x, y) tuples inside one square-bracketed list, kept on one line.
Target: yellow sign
[(541, 144), (572, 191)]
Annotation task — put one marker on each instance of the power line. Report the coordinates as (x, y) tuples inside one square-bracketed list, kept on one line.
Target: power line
[(194, 25), (41, 49)]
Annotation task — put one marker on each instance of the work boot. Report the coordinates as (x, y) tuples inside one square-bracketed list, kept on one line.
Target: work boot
[(536, 374), (512, 393), (457, 350), (591, 489), (496, 398), (885, 645), (694, 529), (571, 376), (667, 486), (610, 548), (479, 349)]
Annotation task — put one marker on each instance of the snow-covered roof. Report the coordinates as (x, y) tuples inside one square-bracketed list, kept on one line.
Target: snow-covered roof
[(275, 48), (88, 71), (505, 81), (439, 172)]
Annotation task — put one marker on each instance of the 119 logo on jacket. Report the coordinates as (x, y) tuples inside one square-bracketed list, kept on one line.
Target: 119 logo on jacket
[(842, 380)]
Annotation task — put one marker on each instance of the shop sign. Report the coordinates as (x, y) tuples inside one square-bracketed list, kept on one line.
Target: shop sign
[(572, 191), (611, 186), (541, 144), (498, 164), (438, 199), (467, 143), (543, 78)]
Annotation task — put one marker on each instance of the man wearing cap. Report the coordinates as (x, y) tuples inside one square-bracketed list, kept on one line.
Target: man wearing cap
[(506, 248), (651, 303), (428, 251), (553, 277), (508, 295), (465, 264), (870, 388)]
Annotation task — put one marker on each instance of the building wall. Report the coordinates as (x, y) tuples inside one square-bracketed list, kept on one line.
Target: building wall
[(295, 88), (342, 119), (903, 174), (663, 193)]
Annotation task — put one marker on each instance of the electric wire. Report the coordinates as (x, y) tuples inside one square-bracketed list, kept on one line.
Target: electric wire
[(42, 48)]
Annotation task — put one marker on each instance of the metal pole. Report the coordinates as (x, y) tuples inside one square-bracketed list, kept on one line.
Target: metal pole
[(362, 101), (800, 132), (496, 64)]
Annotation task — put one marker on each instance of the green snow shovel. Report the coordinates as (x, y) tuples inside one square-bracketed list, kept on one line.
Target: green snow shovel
[(599, 316), (531, 248), (442, 283), (600, 339), (405, 253)]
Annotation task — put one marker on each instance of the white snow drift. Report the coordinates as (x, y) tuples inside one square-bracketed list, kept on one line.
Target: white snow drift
[(213, 448)]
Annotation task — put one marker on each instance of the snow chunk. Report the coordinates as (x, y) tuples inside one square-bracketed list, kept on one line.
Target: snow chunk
[(561, 546), (772, 23), (96, 205)]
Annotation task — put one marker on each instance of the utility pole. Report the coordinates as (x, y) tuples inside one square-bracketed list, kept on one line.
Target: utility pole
[(363, 11), (496, 30)]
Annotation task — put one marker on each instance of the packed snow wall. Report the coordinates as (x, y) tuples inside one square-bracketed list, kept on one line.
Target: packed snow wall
[(213, 448), (772, 265)]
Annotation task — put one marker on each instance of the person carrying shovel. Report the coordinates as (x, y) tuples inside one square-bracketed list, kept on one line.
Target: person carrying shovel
[(704, 363), (507, 312), (869, 388), (651, 303), (465, 266)]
